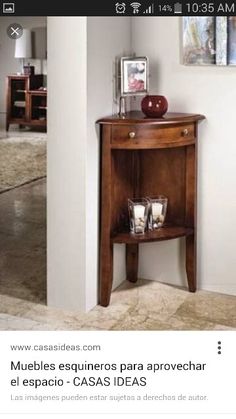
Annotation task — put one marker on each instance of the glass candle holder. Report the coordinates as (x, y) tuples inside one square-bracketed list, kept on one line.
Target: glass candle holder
[(138, 215), (157, 211)]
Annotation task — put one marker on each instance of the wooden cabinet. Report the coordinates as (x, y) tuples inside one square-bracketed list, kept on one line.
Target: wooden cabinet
[(38, 108), (147, 157), (26, 102)]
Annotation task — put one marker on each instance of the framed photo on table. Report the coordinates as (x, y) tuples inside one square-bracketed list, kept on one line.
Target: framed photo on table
[(134, 76)]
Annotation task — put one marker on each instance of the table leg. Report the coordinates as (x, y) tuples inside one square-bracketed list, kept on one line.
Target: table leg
[(191, 262), (106, 246), (106, 274), (132, 262)]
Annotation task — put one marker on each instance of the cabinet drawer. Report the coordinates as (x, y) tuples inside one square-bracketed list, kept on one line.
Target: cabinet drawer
[(141, 136)]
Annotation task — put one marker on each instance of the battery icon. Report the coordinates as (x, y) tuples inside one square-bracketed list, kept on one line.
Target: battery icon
[(177, 8)]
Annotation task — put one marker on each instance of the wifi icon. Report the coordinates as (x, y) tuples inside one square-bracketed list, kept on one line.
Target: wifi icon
[(135, 7)]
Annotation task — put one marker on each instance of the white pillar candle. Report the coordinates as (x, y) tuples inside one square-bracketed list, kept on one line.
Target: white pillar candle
[(156, 209), (139, 211)]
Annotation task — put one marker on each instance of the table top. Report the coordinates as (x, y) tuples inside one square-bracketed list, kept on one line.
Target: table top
[(137, 117)]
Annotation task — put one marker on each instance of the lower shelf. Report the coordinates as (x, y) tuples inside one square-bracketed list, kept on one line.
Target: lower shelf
[(164, 233)]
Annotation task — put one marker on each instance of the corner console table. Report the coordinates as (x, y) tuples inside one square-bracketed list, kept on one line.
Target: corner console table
[(147, 157)]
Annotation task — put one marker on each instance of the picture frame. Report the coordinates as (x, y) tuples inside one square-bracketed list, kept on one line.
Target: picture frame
[(199, 40), (209, 40), (134, 76), (231, 52)]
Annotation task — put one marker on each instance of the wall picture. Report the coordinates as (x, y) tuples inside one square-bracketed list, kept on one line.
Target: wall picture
[(134, 76), (209, 40), (199, 44), (232, 40)]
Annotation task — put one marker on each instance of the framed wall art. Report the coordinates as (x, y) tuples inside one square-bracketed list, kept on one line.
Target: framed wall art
[(232, 40), (209, 40)]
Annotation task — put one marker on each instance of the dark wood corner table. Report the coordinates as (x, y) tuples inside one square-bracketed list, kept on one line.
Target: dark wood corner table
[(142, 157)]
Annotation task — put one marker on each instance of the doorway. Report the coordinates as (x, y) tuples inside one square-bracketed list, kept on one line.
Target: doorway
[(23, 139)]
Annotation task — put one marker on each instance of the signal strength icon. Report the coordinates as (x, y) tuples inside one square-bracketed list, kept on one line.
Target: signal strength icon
[(149, 10)]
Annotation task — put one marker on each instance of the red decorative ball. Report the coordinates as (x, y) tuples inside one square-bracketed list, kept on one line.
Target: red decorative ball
[(154, 106)]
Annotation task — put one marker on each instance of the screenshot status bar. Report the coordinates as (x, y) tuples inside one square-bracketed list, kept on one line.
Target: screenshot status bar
[(119, 8)]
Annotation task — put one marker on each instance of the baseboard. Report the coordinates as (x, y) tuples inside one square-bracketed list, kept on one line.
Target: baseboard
[(2, 120), (228, 289)]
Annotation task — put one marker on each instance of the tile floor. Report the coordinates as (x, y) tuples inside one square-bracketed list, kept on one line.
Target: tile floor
[(148, 305), (23, 242), (131, 308)]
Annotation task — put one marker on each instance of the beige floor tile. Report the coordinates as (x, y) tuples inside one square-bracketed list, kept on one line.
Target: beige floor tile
[(209, 306), (18, 323), (106, 318)]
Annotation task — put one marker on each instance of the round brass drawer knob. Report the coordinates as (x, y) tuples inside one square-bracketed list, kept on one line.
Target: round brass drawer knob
[(131, 134), (185, 132)]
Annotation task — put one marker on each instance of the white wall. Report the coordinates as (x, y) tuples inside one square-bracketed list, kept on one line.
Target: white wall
[(8, 63), (67, 134), (81, 55), (108, 39), (210, 91)]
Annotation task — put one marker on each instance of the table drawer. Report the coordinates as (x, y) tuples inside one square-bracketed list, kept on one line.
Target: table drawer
[(134, 136)]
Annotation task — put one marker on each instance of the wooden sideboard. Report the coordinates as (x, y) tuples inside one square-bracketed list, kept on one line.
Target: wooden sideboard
[(147, 157), (26, 101)]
